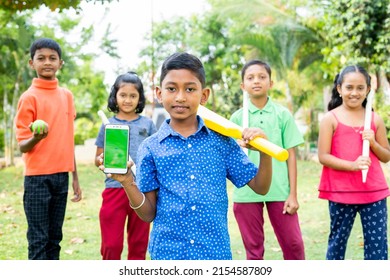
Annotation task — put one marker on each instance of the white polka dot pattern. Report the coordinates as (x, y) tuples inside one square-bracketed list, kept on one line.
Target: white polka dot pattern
[(190, 176)]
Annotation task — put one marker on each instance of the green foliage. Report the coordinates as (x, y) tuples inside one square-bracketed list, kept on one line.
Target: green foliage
[(16, 35), (222, 60), (15, 38), (288, 45), (108, 44), (357, 31), (1, 141), (383, 109), (206, 37), (85, 129), (19, 5)]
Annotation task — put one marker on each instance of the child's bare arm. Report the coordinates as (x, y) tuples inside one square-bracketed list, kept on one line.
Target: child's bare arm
[(99, 151), (379, 143), (28, 144), (143, 204), (77, 194)]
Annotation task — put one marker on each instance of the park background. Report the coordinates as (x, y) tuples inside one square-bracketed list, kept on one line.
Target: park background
[(305, 42)]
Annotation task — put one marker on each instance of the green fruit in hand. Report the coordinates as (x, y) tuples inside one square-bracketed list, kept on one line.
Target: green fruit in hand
[(38, 126)]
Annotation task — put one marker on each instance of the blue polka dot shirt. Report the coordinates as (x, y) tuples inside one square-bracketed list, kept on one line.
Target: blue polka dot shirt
[(192, 202)]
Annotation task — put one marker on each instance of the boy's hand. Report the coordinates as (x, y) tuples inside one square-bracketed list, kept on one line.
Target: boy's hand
[(249, 134), (40, 132), (291, 205), (77, 194), (118, 177)]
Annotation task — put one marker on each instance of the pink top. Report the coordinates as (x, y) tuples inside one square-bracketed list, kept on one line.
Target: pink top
[(347, 186)]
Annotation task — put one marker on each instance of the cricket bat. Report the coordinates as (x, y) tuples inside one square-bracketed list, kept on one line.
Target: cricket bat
[(245, 112), (226, 127), (367, 125)]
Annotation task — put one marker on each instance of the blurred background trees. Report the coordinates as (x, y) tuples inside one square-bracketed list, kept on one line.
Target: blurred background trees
[(305, 42)]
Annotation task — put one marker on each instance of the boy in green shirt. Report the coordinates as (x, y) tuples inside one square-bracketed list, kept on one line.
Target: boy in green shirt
[(281, 200)]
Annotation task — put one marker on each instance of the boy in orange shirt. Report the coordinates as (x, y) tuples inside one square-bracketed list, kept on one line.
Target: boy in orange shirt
[(48, 153)]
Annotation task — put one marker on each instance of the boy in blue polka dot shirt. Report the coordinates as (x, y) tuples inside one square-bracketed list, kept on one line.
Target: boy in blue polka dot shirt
[(182, 171)]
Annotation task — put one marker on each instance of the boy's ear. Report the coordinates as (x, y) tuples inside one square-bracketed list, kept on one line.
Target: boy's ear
[(61, 63), (30, 63), (158, 95), (205, 96)]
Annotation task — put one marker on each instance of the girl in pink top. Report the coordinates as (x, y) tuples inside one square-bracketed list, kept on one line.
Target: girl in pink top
[(340, 144)]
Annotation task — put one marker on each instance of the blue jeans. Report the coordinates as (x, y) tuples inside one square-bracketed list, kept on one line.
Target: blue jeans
[(44, 201), (374, 222)]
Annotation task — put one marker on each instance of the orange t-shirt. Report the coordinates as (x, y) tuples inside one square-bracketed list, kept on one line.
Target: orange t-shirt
[(45, 100)]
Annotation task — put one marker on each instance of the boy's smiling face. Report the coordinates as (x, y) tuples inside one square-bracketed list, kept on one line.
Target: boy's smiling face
[(46, 63), (181, 93), (256, 81)]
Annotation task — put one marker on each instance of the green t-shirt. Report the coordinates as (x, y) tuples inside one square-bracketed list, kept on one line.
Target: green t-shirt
[(280, 127)]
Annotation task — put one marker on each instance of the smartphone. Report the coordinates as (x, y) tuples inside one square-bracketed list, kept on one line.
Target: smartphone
[(116, 148)]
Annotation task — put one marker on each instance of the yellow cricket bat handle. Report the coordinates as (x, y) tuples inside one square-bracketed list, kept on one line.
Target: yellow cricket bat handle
[(269, 148)]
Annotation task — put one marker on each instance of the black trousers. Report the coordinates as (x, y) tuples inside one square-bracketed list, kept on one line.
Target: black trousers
[(44, 200)]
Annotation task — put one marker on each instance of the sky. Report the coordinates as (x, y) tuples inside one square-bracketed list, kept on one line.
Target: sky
[(130, 21)]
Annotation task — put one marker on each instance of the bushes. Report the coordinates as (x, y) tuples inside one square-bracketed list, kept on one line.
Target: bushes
[(85, 129)]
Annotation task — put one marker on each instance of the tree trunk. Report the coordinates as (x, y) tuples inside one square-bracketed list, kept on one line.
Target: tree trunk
[(290, 103), (9, 111), (15, 99), (7, 129)]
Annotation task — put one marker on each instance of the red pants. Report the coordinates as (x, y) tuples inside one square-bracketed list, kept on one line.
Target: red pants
[(250, 221), (113, 214)]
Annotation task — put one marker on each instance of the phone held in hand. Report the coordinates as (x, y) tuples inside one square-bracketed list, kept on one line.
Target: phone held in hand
[(116, 148)]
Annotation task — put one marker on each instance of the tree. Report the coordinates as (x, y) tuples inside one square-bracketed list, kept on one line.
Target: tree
[(77, 74), (284, 47), (357, 31), (18, 5), (14, 73), (206, 37), (275, 35)]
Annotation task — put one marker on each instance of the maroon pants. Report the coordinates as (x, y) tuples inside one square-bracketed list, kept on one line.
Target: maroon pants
[(114, 213), (250, 221)]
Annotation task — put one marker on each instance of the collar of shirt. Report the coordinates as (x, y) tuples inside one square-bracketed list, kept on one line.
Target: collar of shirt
[(45, 84), (267, 108), (125, 121), (166, 130)]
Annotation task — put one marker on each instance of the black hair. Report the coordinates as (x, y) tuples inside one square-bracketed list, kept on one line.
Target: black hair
[(45, 43), (336, 99), (255, 62), (131, 78), (184, 61)]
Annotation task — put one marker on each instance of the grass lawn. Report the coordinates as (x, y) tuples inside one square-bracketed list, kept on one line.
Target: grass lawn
[(82, 233)]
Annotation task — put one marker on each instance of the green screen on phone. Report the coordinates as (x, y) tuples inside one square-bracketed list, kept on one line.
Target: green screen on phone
[(116, 148)]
